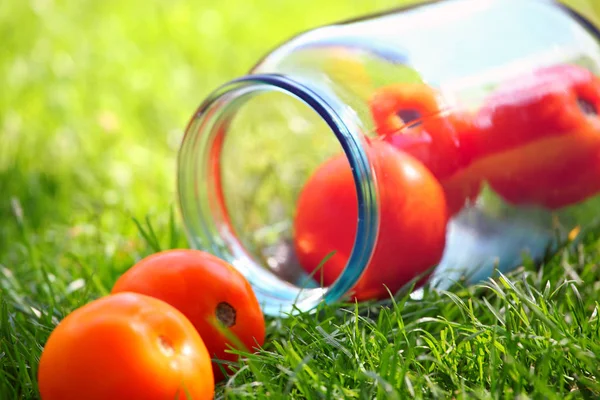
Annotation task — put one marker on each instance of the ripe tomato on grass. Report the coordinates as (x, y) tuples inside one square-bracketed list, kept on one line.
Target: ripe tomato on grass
[(207, 290), (413, 218), (125, 347)]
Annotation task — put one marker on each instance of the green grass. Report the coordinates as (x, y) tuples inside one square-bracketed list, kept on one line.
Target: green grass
[(93, 100)]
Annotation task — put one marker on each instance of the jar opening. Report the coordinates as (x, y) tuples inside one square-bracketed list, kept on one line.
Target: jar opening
[(244, 158)]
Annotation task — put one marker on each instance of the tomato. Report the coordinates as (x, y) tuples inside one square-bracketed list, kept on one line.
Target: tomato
[(568, 172), (432, 138), (125, 347), (540, 138), (206, 290), (389, 101), (413, 219), (545, 102)]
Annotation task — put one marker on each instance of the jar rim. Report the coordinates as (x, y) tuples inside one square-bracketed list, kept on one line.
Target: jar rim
[(204, 214)]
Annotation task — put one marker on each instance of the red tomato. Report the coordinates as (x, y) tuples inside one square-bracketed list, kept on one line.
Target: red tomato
[(388, 102), (125, 347), (205, 289), (432, 138), (540, 139), (413, 218), (546, 102), (530, 178), (461, 186)]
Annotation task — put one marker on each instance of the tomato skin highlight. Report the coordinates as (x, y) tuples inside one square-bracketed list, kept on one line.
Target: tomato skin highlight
[(536, 145), (413, 219), (196, 283), (125, 347)]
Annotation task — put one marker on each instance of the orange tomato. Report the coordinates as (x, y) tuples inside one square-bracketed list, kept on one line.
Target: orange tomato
[(125, 347), (206, 290), (413, 219)]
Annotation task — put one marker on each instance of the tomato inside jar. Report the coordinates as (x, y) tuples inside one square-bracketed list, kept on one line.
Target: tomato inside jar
[(405, 148)]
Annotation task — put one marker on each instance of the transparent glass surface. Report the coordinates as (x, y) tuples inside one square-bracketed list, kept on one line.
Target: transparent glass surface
[(265, 162)]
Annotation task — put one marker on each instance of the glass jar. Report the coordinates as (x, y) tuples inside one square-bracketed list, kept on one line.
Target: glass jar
[(435, 143)]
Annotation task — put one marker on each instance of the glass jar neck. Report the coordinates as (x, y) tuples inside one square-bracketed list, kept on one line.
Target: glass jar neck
[(201, 198)]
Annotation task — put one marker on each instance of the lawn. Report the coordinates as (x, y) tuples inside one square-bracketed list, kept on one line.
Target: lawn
[(93, 100)]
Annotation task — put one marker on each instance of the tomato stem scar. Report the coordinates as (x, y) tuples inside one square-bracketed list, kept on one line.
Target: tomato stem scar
[(225, 314), (166, 345), (586, 107)]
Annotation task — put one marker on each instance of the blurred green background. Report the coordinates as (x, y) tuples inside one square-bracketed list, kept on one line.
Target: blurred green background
[(94, 97)]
